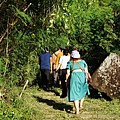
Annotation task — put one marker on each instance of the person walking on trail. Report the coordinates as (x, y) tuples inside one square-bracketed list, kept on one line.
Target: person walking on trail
[(58, 72), (77, 85), (54, 65), (45, 62), (62, 66)]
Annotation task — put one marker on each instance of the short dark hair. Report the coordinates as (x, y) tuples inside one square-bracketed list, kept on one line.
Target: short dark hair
[(61, 48), (65, 52), (46, 48)]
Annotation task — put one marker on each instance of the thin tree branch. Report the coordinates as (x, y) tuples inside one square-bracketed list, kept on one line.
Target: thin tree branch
[(14, 21), (2, 2), (23, 89), (7, 55)]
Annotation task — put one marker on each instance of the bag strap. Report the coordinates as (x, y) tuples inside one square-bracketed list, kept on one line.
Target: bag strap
[(55, 54), (88, 74), (80, 67)]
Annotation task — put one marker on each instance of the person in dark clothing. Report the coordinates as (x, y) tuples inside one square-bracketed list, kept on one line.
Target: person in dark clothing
[(62, 66), (45, 62)]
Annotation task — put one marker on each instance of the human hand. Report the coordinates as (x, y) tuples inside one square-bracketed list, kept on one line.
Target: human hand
[(51, 71), (56, 70)]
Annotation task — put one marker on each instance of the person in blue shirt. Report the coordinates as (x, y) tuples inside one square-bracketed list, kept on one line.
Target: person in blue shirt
[(45, 62)]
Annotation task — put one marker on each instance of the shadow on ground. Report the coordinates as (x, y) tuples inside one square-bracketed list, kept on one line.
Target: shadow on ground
[(97, 94), (56, 105)]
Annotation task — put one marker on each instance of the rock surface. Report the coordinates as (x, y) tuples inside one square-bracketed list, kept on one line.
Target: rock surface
[(107, 77)]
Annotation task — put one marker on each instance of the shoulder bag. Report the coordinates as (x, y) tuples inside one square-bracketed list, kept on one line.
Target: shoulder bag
[(87, 74)]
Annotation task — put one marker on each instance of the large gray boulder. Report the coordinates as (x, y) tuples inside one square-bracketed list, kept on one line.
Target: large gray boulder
[(107, 77)]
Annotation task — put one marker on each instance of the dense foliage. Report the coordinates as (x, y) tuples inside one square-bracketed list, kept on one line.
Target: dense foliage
[(26, 28)]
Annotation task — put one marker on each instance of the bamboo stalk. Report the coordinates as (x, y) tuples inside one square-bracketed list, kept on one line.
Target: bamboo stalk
[(23, 89)]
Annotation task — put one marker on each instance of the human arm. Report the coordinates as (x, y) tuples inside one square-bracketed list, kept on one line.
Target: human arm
[(86, 70), (51, 64), (88, 76), (53, 61), (85, 66), (67, 76), (57, 59), (59, 64), (39, 61)]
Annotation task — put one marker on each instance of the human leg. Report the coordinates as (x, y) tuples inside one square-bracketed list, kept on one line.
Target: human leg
[(59, 77), (47, 77), (43, 78), (63, 83), (81, 103), (55, 77), (76, 105)]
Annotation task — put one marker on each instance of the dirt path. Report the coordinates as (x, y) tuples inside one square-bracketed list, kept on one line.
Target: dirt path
[(48, 106)]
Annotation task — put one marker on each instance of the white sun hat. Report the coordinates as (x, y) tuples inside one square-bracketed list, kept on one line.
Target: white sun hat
[(75, 54)]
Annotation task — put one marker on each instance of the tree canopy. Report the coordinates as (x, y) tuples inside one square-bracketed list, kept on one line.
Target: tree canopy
[(28, 26)]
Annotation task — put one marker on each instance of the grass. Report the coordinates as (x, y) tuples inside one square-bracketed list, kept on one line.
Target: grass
[(46, 105), (41, 105)]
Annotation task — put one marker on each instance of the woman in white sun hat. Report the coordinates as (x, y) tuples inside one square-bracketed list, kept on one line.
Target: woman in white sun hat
[(76, 80)]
